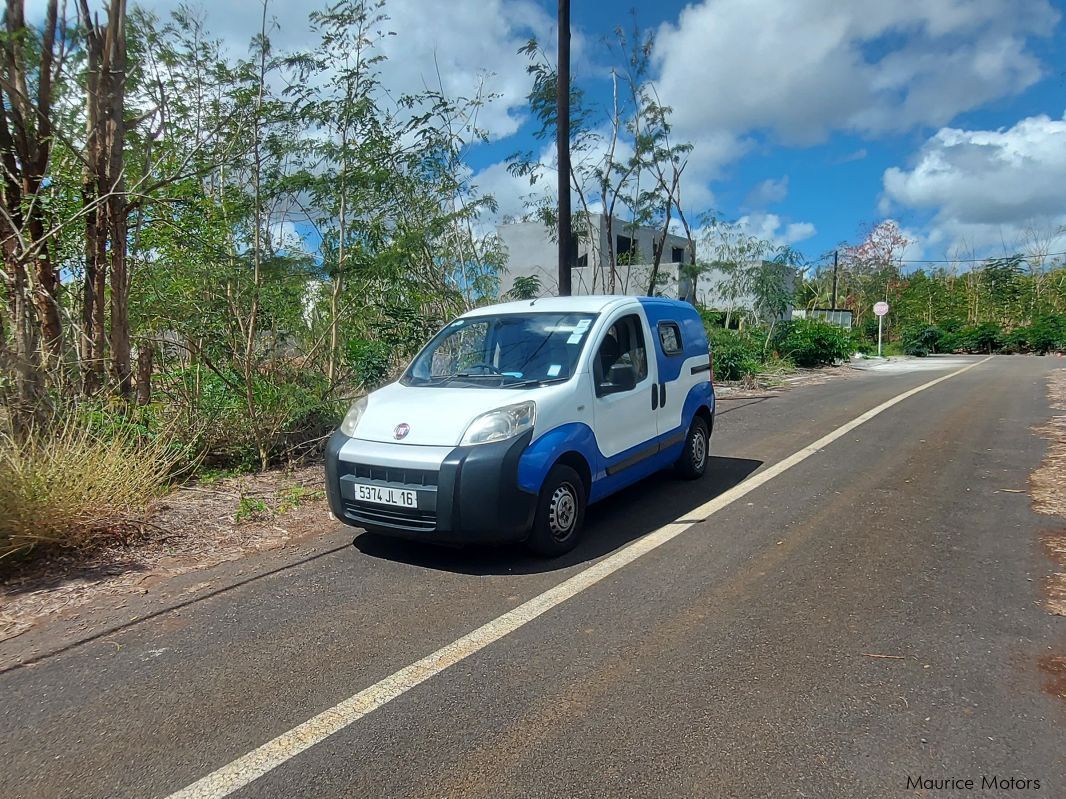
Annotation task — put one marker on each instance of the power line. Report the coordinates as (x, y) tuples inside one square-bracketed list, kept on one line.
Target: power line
[(972, 260), (976, 260)]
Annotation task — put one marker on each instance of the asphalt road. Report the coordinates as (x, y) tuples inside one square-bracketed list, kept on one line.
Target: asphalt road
[(737, 659)]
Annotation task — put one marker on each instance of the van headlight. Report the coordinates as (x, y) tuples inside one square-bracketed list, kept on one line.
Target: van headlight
[(501, 424), (351, 419)]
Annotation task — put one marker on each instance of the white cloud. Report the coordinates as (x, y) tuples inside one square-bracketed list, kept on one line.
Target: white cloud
[(768, 192), (769, 227), (799, 70), (986, 188), (509, 191), (462, 41)]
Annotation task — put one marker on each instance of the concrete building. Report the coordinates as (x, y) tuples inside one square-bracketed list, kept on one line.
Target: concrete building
[(531, 252)]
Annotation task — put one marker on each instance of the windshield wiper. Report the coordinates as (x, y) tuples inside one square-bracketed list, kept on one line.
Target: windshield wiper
[(537, 381)]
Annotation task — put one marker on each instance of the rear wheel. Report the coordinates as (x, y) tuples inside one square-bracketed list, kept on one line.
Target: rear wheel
[(693, 461), (560, 513)]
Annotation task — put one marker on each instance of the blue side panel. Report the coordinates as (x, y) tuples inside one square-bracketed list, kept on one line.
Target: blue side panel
[(693, 335), (699, 394), (606, 486), (542, 454)]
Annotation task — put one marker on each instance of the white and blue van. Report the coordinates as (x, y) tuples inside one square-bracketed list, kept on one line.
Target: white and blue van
[(514, 417)]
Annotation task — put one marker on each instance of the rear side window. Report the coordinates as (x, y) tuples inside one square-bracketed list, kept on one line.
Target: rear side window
[(670, 338)]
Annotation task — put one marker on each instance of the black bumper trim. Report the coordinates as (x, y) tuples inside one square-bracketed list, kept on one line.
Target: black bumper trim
[(477, 497)]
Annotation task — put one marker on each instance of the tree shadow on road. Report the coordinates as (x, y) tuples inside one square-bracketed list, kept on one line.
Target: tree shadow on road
[(609, 525)]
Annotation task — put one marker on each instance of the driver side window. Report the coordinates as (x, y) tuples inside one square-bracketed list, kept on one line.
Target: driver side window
[(461, 349), (622, 359)]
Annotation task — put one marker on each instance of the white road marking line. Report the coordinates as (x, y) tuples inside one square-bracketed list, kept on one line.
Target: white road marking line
[(255, 764)]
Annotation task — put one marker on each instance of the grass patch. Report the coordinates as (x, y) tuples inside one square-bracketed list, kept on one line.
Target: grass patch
[(250, 509), (295, 496)]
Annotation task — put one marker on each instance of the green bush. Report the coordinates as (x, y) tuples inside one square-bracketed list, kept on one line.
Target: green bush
[(736, 354), (370, 360), (983, 338), (921, 341), (712, 319), (1046, 334), (292, 409), (812, 342), (860, 343)]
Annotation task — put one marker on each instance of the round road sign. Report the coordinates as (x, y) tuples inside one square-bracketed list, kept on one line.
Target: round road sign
[(881, 308)]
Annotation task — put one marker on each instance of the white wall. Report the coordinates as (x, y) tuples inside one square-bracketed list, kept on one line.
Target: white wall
[(531, 251)]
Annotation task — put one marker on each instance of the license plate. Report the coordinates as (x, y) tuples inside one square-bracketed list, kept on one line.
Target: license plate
[(386, 496)]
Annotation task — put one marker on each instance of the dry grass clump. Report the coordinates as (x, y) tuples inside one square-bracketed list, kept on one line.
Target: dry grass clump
[(1049, 480), (1049, 490), (71, 487)]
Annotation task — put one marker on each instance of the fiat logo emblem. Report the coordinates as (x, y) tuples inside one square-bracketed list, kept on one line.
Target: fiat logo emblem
[(401, 431)]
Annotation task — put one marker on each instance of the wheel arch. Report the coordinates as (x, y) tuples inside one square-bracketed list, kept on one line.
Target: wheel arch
[(705, 413), (576, 461)]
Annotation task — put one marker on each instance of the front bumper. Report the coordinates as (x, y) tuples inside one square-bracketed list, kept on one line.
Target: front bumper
[(470, 494)]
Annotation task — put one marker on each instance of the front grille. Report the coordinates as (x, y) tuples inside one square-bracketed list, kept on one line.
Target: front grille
[(391, 474), (406, 518)]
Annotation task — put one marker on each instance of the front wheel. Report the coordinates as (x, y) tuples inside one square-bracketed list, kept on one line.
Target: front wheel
[(560, 513), (693, 461)]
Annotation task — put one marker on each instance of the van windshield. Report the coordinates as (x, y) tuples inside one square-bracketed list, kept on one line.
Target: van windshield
[(504, 351)]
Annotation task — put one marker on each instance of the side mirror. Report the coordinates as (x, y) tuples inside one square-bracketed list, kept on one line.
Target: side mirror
[(621, 377)]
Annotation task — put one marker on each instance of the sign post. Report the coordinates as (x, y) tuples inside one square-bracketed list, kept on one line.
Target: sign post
[(880, 309)]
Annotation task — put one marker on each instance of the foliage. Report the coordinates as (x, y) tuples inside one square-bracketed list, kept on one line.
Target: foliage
[(293, 230), (736, 354), (811, 342), (1011, 303), (923, 341), (1046, 334), (986, 338), (526, 287), (756, 276), (294, 411), (369, 360), (295, 496), (251, 509)]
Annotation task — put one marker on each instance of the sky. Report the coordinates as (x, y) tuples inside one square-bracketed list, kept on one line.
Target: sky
[(809, 119)]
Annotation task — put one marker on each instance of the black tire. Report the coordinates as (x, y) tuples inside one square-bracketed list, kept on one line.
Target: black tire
[(560, 513), (693, 461)]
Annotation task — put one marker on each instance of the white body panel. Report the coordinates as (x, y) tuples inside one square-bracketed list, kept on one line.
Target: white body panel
[(669, 415), (625, 420)]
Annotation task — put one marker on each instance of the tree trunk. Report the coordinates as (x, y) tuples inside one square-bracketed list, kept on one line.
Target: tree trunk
[(145, 357), (115, 135), (92, 342), (657, 253), (33, 283), (46, 299)]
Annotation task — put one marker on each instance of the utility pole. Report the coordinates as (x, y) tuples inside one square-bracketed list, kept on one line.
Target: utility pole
[(562, 145), (836, 261)]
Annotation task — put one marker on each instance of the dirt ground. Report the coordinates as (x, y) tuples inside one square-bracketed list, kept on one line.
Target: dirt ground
[(1048, 489), (192, 528)]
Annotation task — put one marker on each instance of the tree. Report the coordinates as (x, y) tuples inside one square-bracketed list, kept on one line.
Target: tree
[(335, 96), (28, 73), (105, 197)]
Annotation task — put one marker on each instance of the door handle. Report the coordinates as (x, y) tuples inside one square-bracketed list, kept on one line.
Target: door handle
[(662, 395), (654, 396)]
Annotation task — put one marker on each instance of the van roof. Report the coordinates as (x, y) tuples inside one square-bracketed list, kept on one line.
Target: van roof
[(596, 303)]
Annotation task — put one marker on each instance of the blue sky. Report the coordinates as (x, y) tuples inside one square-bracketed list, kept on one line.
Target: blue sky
[(1004, 65)]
